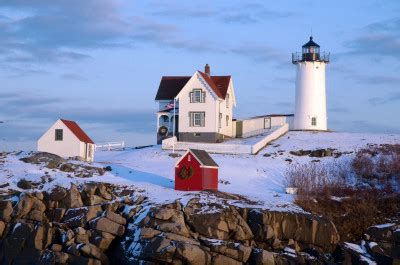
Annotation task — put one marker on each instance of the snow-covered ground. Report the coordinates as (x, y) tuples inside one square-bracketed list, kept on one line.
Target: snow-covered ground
[(256, 177)]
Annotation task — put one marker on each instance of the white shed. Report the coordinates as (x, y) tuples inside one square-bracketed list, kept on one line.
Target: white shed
[(66, 139)]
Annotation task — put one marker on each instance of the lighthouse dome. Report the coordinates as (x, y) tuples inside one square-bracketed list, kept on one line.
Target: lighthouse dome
[(310, 43)]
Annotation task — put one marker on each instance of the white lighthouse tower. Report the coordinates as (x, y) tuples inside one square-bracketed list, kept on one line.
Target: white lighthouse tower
[(310, 103)]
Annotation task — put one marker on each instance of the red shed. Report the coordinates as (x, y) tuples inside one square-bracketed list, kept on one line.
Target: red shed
[(195, 171)]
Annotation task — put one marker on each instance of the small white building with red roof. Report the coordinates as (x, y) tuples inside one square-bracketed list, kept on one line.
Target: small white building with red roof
[(67, 139), (199, 107)]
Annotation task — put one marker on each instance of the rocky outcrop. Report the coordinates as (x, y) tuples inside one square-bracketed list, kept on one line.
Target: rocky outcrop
[(381, 244), (94, 224)]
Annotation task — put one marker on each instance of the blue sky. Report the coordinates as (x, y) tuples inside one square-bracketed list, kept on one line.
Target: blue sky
[(100, 62)]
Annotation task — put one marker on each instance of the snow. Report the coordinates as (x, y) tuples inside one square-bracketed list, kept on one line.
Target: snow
[(151, 170), (381, 226)]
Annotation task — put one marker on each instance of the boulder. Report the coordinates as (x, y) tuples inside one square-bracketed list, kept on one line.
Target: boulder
[(57, 194), (78, 217), (157, 249), (24, 205), (192, 254), (73, 198), (223, 260), (262, 257), (6, 210), (115, 217), (2, 228), (106, 225), (235, 251), (91, 251), (221, 223)]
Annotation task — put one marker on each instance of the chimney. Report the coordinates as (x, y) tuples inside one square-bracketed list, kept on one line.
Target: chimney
[(207, 70)]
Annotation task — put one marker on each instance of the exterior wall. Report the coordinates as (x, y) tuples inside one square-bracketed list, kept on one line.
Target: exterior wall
[(226, 111), (270, 137), (185, 106), (255, 126), (195, 183), (70, 146), (310, 96), (201, 137)]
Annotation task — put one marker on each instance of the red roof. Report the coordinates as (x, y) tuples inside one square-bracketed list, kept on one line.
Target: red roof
[(75, 129), (170, 86)]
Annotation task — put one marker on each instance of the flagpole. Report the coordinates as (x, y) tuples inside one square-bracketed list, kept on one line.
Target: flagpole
[(173, 132)]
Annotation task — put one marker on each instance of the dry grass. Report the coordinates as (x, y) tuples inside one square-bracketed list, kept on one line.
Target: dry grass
[(324, 189)]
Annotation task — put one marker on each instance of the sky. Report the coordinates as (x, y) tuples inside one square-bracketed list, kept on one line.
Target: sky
[(99, 62)]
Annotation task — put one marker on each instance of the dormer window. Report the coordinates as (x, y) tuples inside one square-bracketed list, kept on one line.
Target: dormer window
[(197, 96)]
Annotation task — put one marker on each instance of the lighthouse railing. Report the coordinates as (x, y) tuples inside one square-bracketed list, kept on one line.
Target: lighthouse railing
[(298, 57)]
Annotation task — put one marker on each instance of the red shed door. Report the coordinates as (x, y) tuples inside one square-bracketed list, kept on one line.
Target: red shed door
[(210, 178)]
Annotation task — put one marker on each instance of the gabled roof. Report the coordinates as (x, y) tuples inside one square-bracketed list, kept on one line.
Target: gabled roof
[(170, 86), (79, 133), (203, 157)]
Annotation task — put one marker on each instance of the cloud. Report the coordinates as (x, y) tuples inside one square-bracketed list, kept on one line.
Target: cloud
[(381, 39), (378, 101), (73, 77)]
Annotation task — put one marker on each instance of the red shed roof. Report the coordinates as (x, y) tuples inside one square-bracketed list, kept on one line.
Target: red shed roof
[(202, 156), (170, 86), (75, 129)]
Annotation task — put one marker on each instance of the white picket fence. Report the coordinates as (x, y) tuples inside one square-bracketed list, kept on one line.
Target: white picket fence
[(110, 146)]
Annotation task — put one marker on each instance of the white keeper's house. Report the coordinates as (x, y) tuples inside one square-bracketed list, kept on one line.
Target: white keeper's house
[(67, 139), (195, 108)]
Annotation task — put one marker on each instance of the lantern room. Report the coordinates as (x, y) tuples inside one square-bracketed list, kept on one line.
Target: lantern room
[(196, 171), (310, 51)]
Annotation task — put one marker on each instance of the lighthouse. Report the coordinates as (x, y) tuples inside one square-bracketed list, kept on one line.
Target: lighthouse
[(310, 102)]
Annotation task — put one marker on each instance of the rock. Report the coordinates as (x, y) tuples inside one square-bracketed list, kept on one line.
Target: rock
[(2, 227), (67, 167), (235, 251), (36, 216), (56, 247), (57, 194), (223, 260), (192, 254), (24, 184), (92, 251), (101, 240), (115, 217), (58, 214), (106, 225), (6, 210), (38, 205), (73, 198), (381, 232), (164, 213), (51, 160), (78, 217), (146, 233), (262, 257), (24, 205), (224, 223), (156, 249)]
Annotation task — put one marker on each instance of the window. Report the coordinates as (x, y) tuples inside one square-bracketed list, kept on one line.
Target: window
[(197, 119), (189, 158), (220, 120), (227, 120), (227, 101), (314, 121), (197, 96), (59, 134), (267, 123)]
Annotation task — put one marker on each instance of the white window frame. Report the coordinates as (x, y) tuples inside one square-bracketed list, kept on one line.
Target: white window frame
[(197, 96), (197, 119), (220, 120), (227, 120), (227, 101)]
